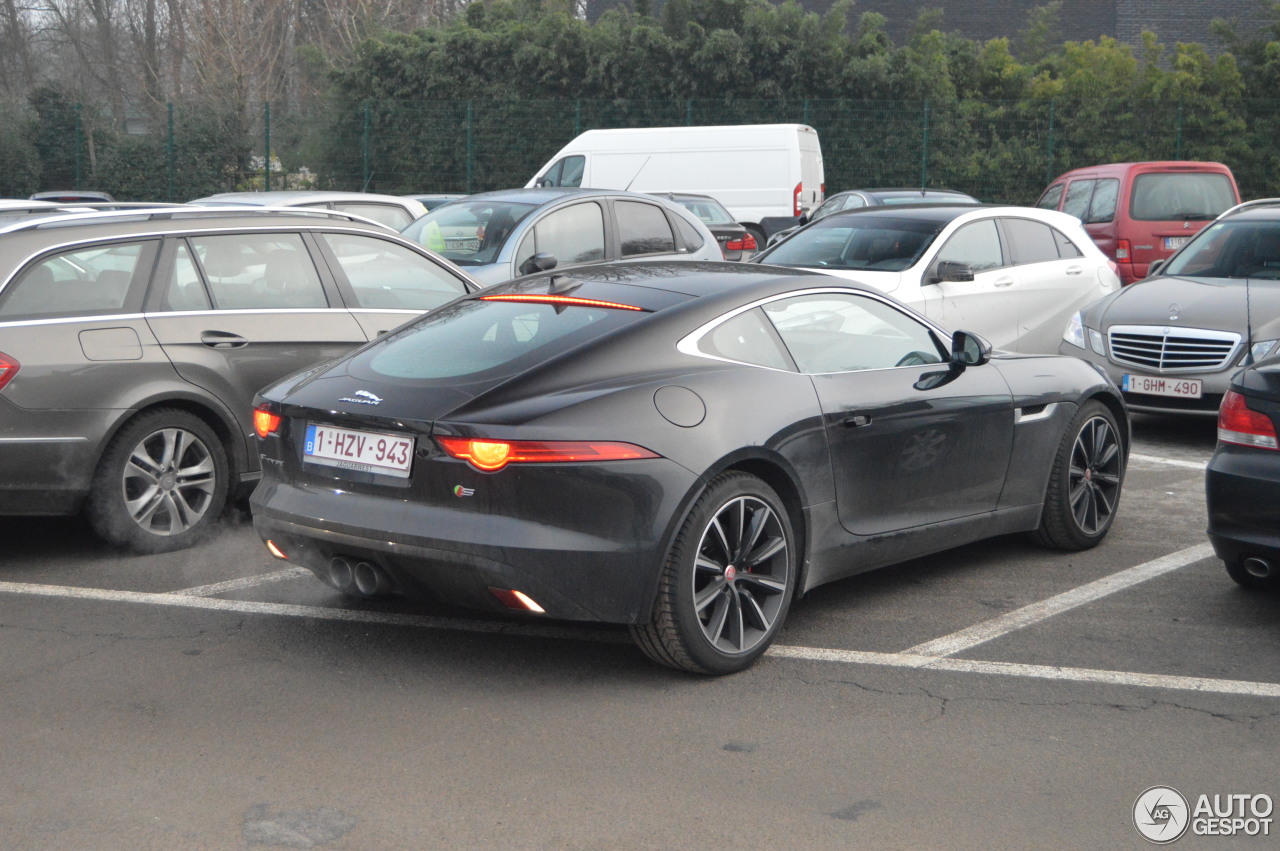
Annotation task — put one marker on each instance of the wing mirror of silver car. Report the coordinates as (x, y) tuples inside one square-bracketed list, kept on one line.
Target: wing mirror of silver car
[(538, 263)]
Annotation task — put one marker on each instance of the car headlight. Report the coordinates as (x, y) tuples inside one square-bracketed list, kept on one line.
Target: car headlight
[(1074, 333), (1260, 350)]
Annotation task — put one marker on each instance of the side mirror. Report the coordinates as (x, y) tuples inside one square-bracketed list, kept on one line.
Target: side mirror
[(803, 220), (953, 270), (542, 181), (538, 263), (1154, 268), (969, 349)]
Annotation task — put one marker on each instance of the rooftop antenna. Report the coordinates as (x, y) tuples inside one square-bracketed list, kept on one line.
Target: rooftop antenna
[(637, 174)]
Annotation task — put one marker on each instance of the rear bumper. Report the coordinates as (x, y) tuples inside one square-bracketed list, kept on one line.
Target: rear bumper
[(47, 458), (1242, 492), (588, 564)]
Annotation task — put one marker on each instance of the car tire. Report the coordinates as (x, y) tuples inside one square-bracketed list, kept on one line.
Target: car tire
[(758, 233), (161, 483), (1084, 486), (1236, 570), (727, 581)]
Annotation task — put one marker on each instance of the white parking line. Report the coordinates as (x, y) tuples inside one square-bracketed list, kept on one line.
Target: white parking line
[(245, 582), (1169, 462), (816, 654), (983, 632)]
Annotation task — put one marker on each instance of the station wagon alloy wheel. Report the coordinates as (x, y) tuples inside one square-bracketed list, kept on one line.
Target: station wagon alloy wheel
[(162, 481)]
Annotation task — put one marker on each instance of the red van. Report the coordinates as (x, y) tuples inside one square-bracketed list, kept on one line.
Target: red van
[(1138, 213)]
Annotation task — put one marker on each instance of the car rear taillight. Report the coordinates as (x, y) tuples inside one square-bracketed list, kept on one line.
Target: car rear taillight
[(492, 455), (746, 243), (1238, 423), (797, 209), (265, 422), (558, 299), (1122, 249), (8, 369)]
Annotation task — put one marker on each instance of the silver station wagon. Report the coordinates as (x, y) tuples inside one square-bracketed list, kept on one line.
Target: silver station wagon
[(132, 342)]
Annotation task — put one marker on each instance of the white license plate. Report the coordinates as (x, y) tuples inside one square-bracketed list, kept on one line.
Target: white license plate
[(1182, 388), (1172, 242), (462, 244), (368, 451)]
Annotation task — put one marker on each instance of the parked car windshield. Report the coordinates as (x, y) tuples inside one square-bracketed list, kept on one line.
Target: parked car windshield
[(708, 210), (1231, 249), (867, 243), (470, 233)]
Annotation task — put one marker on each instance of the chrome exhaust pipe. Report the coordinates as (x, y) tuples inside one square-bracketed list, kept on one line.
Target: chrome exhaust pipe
[(371, 580), (341, 575), (1259, 568)]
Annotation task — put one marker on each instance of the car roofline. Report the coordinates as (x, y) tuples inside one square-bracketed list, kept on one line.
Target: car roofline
[(183, 211)]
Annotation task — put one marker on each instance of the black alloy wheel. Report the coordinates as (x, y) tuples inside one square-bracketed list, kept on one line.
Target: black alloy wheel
[(728, 580), (1084, 488)]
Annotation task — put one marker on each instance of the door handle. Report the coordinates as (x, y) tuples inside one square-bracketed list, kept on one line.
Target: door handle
[(856, 421), (222, 340), (1004, 282), (1074, 270)]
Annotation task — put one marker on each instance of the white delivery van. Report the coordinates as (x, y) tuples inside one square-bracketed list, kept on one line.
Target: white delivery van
[(766, 175)]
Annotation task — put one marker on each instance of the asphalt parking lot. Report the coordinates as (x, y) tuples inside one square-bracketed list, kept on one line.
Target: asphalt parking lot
[(995, 696)]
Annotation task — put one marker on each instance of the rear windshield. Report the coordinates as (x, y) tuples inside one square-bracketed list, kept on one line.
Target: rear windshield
[(1180, 196), (857, 241), (470, 233), (476, 339)]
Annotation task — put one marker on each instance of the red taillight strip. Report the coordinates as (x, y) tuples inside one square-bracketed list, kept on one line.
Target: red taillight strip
[(492, 455), (265, 422), (8, 369), (559, 299)]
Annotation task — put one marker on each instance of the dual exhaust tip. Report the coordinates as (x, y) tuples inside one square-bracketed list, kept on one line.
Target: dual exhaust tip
[(359, 578)]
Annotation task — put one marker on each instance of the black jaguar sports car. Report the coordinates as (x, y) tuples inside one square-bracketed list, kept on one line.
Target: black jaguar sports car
[(680, 447)]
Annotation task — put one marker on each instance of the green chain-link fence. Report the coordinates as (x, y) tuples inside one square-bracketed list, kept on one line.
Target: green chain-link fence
[(997, 151)]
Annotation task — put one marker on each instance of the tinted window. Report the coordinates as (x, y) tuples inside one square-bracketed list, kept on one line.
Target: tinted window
[(1078, 193), (185, 291), (573, 235), (1231, 249), (385, 275), (84, 281), (692, 237), (1066, 248), (473, 337), (1180, 196), (746, 338), (1030, 242), (977, 244), (1102, 207), (572, 173), (259, 270), (643, 229), (708, 210), (468, 232), (858, 241), (1049, 200), (835, 332)]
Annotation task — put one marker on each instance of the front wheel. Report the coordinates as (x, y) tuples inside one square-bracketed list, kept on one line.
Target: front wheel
[(161, 483), (727, 582), (1084, 487)]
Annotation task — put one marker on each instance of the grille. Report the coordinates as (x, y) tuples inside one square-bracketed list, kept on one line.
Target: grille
[(1172, 349)]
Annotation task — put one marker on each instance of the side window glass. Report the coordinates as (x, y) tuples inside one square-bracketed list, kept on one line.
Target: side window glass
[(574, 235), (86, 281), (1030, 242), (573, 168), (692, 238), (385, 276), (1102, 208), (852, 202), (186, 290), (259, 271), (1049, 200), (1077, 203), (834, 332), (396, 218), (1066, 248), (977, 244), (643, 229), (746, 338)]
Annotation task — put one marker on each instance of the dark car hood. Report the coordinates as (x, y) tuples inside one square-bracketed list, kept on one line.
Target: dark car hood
[(1213, 303)]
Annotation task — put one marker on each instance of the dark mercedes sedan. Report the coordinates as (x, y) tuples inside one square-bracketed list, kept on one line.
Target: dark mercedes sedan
[(1243, 481), (680, 447)]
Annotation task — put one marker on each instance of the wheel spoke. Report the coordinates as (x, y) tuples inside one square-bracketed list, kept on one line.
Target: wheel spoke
[(751, 611), (766, 584), (714, 627), (768, 550), (707, 595)]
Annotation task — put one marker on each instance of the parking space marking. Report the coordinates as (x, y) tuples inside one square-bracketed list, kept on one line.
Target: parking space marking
[(242, 583), (1169, 462), (1039, 672), (983, 632), (815, 654)]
